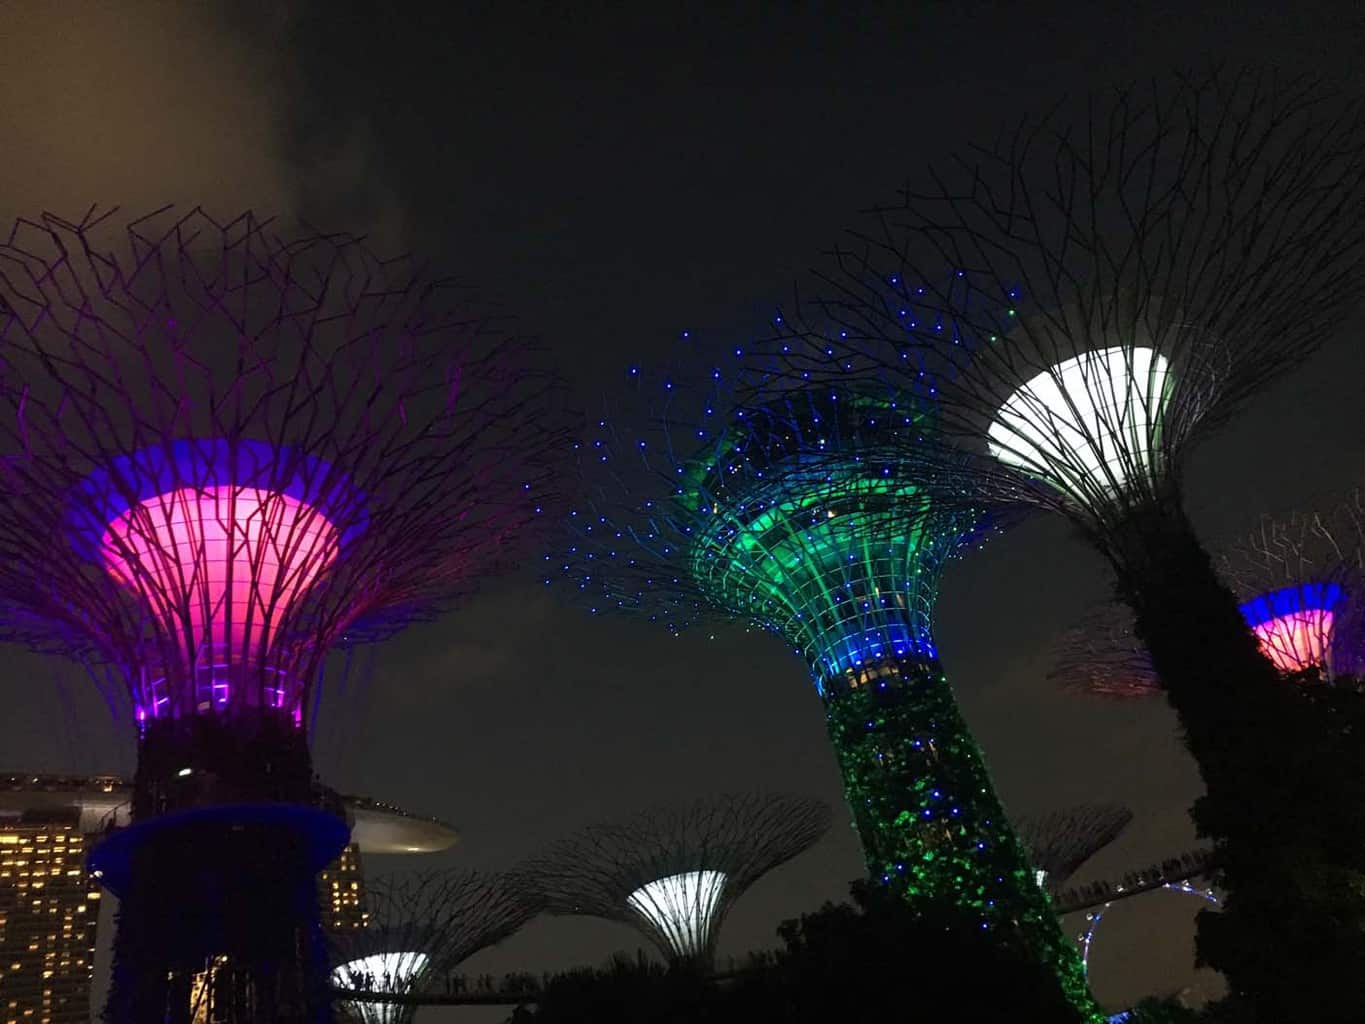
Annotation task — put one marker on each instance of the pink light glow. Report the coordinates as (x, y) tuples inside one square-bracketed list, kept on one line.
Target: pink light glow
[(220, 567), (1297, 640)]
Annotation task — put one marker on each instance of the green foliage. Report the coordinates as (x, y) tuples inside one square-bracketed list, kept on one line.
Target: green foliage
[(933, 831)]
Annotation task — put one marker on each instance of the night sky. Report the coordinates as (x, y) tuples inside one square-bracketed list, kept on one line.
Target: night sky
[(615, 180)]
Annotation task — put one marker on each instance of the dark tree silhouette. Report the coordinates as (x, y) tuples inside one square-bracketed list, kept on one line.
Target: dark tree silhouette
[(877, 960)]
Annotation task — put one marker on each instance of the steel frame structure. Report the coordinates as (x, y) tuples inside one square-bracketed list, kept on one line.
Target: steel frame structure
[(420, 929), (811, 518), (1060, 842), (226, 452), (1299, 581), (1301, 584), (674, 871)]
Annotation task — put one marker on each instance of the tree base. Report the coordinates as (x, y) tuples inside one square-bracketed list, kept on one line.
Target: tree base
[(218, 918)]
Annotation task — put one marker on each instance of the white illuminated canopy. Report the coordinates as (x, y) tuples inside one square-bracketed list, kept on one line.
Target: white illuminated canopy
[(381, 972), (681, 907), (1085, 424)]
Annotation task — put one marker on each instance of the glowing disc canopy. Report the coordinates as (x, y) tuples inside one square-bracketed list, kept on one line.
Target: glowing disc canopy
[(682, 908), (1088, 424), (381, 972), (218, 544), (816, 526), (1294, 626), (837, 569), (396, 973)]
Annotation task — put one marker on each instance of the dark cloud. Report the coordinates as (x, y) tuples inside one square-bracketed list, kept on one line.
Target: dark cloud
[(140, 104)]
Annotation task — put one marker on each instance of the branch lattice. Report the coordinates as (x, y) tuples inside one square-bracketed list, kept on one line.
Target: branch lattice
[(1102, 656), (1060, 842), (673, 872), (421, 928), (802, 516), (1091, 292), (1299, 581), (814, 515), (184, 399), (1302, 583)]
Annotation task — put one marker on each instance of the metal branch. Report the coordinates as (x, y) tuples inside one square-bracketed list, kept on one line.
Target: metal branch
[(1301, 581), (419, 929), (1060, 842), (1094, 291), (673, 872), (1102, 656), (202, 421)]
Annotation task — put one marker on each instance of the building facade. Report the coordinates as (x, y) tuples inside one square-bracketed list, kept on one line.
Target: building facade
[(49, 913), (341, 892), (49, 903)]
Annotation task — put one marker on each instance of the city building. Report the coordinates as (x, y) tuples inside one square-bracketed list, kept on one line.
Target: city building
[(50, 904)]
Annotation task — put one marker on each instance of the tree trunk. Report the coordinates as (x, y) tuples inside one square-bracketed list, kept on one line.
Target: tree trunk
[(218, 918), (1282, 771), (931, 825)]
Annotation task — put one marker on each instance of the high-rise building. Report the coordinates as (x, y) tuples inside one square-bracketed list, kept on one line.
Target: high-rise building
[(49, 909), (50, 904), (341, 892)]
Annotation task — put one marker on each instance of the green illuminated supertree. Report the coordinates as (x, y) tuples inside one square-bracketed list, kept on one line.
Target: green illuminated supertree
[(808, 518)]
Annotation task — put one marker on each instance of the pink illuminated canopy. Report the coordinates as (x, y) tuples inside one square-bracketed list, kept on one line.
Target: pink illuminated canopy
[(1297, 640), (220, 568)]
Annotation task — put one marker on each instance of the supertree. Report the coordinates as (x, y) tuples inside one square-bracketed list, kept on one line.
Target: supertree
[(224, 453), (1103, 657), (420, 929), (674, 872), (1301, 583), (803, 516), (1060, 842), (1088, 297)]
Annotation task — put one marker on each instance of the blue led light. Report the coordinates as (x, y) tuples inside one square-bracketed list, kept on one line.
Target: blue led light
[(1289, 600)]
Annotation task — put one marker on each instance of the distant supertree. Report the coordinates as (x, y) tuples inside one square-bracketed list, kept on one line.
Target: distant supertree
[(1301, 581), (1060, 842), (807, 517), (225, 453), (420, 929), (673, 872), (1086, 298), (1301, 586), (1102, 656)]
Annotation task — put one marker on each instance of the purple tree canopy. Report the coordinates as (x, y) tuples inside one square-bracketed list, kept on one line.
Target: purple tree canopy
[(224, 451)]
